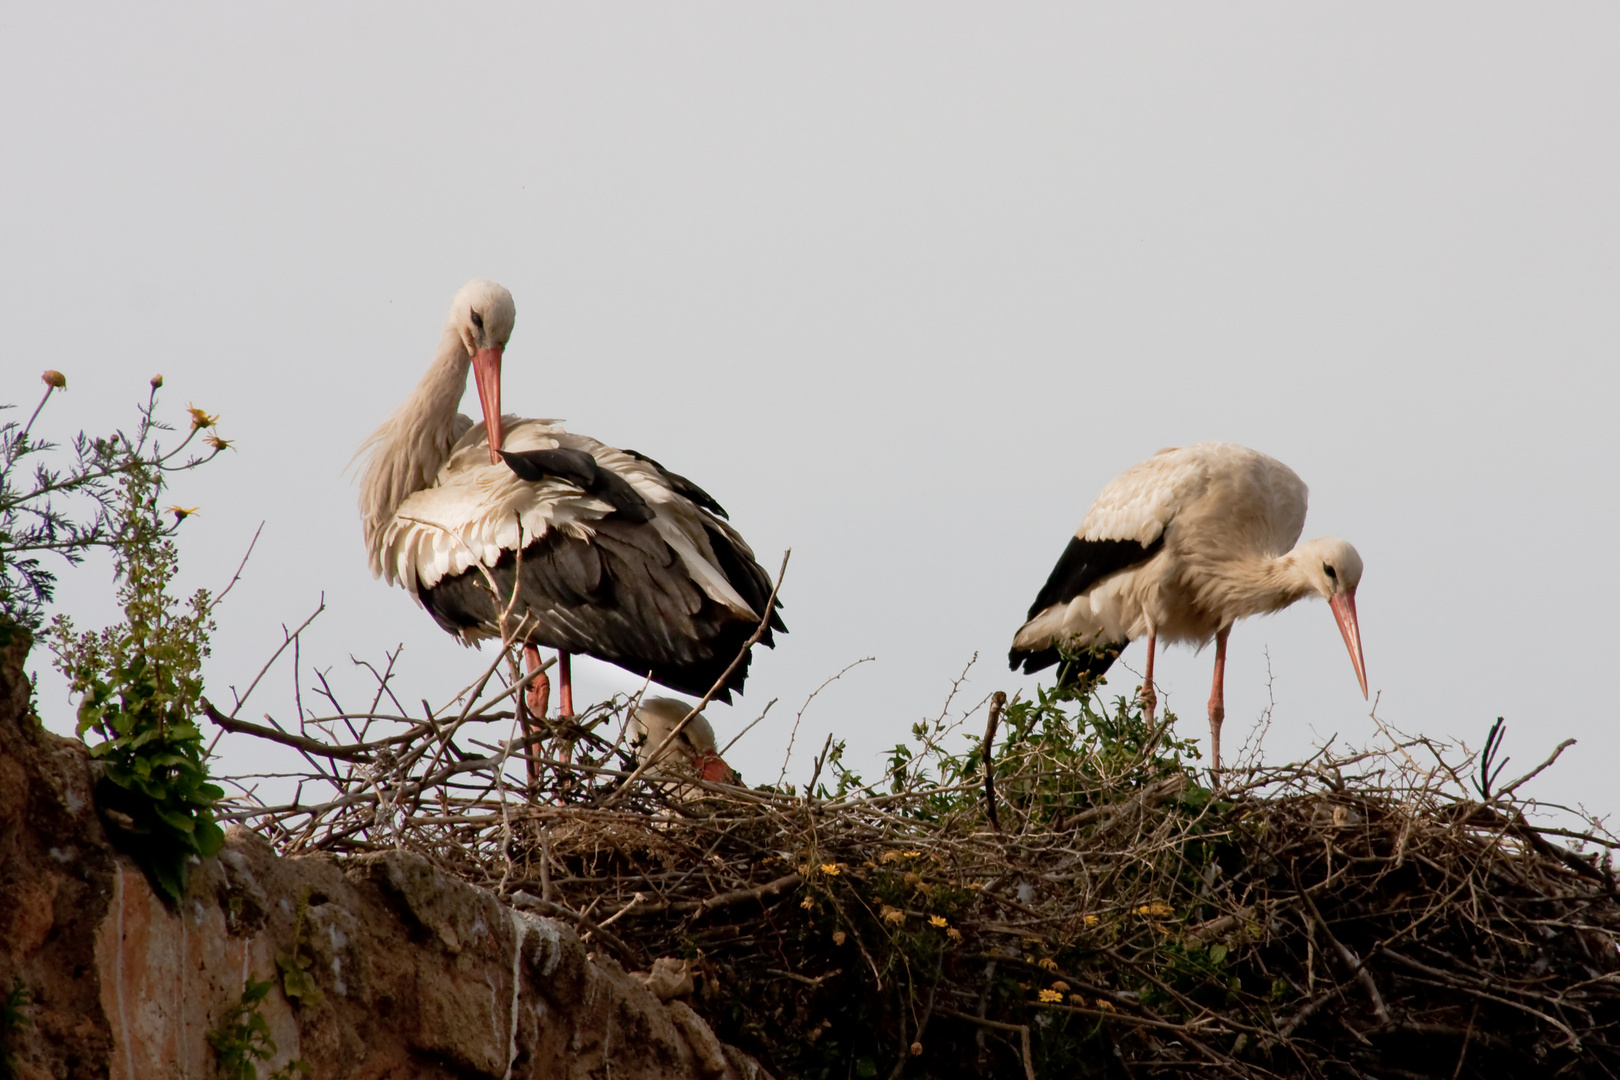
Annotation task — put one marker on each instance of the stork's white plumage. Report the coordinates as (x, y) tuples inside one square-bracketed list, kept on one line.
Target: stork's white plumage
[(692, 752), (590, 549), (1178, 548)]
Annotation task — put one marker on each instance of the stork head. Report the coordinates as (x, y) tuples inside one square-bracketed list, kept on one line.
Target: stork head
[(481, 317), (1333, 569), (656, 717)]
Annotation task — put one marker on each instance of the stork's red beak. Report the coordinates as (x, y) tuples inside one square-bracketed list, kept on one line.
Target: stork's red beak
[(486, 365), (712, 769), (1344, 610)]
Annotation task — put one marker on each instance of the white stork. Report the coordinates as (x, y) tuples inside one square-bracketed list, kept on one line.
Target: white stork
[(1179, 547), (693, 751), (555, 537)]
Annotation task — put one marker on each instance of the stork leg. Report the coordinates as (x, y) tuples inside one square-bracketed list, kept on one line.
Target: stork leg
[(535, 698), (1217, 702), (1150, 700), (565, 703), (565, 685)]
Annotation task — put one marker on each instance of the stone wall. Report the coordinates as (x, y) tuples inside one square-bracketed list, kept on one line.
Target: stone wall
[(419, 975)]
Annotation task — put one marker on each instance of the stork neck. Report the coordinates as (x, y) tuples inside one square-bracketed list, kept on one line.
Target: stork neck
[(407, 451), (445, 380), (1260, 585)]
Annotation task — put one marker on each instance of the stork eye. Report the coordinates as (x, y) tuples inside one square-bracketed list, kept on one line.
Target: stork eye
[(478, 320), (1328, 570)]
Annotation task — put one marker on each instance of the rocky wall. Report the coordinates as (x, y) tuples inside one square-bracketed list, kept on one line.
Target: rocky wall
[(414, 974)]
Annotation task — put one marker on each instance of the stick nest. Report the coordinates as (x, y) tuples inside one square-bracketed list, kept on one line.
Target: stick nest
[(1386, 913)]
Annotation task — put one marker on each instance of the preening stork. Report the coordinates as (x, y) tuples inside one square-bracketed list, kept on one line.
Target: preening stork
[(519, 530), (1178, 548), (693, 751)]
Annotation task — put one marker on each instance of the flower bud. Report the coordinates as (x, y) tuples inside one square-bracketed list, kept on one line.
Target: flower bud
[(157, 381), (55, 380)]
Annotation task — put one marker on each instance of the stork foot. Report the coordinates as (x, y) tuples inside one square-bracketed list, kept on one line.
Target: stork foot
[(1150, 703)]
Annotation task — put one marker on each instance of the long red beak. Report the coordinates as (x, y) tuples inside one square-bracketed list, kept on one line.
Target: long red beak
[(1344, 610), (486, 365), (711, 768)]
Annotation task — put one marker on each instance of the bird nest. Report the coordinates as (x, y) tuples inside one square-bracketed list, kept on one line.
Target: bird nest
[(1095, 910)]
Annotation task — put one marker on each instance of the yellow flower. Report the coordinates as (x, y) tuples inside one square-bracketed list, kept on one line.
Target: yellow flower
[(838, 937), (954, 934), (55, 380), (912, 854), (1046, 963), (182, 512), (1076, 999), (1092, 920), (893, 915), (217, 443), (937, 920), (1158, 910), (830, 869), (1051, 995), (200, 419), (1061, 987), (808, 904)]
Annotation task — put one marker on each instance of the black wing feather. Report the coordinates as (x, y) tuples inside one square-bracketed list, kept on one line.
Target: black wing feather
[(1086, 562), (680, 485), (580, 469), (621, 596), (1082, 565)]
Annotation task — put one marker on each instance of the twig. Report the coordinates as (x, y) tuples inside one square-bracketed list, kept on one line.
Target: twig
[(626, 955), (1537, 771), (998, 702)]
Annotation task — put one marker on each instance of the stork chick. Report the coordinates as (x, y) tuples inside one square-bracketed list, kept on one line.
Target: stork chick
[(693, 752)]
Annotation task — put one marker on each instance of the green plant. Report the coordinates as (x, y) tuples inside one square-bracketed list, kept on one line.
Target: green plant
[(297, 963), (11, 1018), (242, 1039), (140, 680), (38, 498)]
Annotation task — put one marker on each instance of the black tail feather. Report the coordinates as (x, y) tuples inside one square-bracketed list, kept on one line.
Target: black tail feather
[(1074, 668)]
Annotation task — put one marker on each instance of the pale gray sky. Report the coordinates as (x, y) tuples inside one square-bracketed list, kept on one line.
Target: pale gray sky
[(903, 285)]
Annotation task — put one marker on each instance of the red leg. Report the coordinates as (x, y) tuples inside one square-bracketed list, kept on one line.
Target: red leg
[(565, 686), (1150, 700), (535, 699), (1217, 702), (565, 703)]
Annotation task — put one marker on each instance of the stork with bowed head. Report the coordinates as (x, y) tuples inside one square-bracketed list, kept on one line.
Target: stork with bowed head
[(693, 751), (519, 530), (1178, 548)]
